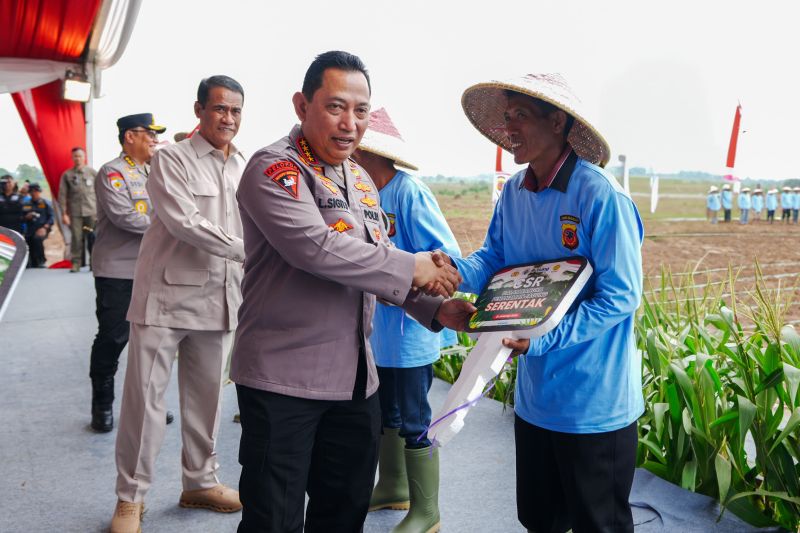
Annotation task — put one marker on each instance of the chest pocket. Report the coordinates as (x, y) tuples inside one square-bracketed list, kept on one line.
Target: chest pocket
[(203, 188)]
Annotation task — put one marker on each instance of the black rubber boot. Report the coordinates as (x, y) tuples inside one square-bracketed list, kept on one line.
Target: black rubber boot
[(102, 402)]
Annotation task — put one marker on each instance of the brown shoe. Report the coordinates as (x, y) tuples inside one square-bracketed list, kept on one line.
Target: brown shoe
[(221, 499), (127, 517)]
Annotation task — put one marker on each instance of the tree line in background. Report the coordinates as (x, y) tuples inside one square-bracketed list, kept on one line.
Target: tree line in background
[(25, 172)]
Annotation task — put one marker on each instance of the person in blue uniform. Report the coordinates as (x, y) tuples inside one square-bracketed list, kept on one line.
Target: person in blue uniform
[(771, 204), (787, 201), (713, 204), (404, 350), (757, 201), (39, 218), (579, 387), (11, 205), (744, 205), (727, 201)]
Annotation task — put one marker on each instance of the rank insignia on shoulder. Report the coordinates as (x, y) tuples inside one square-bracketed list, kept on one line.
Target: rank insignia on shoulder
[(141, 207), (363, 187), (306, 154), (369, 202), (329, 184), (341, 226), (129, 161), (285, 174)]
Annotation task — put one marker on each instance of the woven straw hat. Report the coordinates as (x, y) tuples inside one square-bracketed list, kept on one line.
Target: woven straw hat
[(485, 104), (757, 191), (383, 139), (786, 188), (772, 191), (795, 189), (745, 189), (712, 189), (726, 187)]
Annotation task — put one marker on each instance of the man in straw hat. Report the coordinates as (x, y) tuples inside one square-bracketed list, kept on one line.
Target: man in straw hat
[(727, 201), (579, 387), (772, 204), (757, 201), (404, 350), (318, 253), (795, 203), (787, 201), (712, 204), (744, 205)]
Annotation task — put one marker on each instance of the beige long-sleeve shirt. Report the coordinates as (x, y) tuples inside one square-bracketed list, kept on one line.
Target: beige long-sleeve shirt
[(189, 270)]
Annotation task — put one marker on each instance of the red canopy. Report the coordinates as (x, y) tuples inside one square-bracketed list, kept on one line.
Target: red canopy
[(55, 30)]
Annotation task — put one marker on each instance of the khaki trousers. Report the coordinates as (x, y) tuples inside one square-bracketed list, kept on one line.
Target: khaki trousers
[(76, 225), (142, 421)]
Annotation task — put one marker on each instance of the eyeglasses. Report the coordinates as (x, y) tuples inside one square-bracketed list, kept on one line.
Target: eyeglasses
[(150, 133)]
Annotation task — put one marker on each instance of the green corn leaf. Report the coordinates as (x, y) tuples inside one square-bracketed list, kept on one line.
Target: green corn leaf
[(723, 469), (727, 417), (747, 413), (709, 367), (654, 449), (745, 509), (674, 403), (689, 475), (791, 425), (766, 494), (659, 409), (657, 468), (790, 336), (792, 376), (773, 379)]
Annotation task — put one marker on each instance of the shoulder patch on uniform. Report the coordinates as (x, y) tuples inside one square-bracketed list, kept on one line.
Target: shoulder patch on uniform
[(114, 175), (570, 218), (115, 180), (285, 174)]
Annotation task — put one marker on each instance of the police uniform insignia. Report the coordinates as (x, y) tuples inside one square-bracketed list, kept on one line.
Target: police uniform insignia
[(285, 174), (392, 227), (363, 187), (354, 170), (328, 183), (569, 231), (369, 202), (377, 234), (129, 161), (341, 226), (141, 207), (115, 179), (306, 154)]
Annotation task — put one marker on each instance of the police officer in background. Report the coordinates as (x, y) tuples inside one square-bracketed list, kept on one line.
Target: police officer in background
[(10, 205), (123, 215), (77, 201), (38, 216)]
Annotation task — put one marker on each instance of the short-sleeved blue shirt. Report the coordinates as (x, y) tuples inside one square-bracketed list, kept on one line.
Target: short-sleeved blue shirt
[(584, 376)]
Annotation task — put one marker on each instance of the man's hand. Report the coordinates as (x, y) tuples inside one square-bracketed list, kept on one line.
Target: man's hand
[(454, 314), (440, 259), (518, 346), (41, 232), (432, 279), (29, 216), (65, 219)]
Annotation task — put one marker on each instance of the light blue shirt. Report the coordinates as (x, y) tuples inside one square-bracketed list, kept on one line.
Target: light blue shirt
[(416, 225), (727, 199), (713, 202), (758, 202), (795, 200), (772, 201), (584, 376), (744, 200), (787, 200)]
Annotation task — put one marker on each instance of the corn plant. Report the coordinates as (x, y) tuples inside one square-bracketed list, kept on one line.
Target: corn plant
[(722, 410)]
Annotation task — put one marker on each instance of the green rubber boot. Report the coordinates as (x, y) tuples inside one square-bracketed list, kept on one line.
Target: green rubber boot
[(391, 492), (423, 481)]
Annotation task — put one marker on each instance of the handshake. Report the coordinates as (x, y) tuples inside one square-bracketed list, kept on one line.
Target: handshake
[(434, 275)]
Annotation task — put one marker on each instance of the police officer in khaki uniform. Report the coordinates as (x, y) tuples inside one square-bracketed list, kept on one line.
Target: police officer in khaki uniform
[(76, 198), (318, 252), (123, 215), (186, 294)]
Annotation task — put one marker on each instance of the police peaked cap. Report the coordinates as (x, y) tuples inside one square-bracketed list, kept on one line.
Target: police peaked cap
[(140, 120)]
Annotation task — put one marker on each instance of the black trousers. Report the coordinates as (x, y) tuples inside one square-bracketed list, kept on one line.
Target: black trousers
[(578, 481), (293, 446), (113, 299), (36, 258), (727, 215)]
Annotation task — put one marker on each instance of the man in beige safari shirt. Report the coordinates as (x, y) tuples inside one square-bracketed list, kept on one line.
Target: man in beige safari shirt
[(76, 199), (186, 294), (123, 215)]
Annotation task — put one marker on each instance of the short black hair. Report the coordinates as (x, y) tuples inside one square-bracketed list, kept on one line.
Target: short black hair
[(77, 148), (333, 59), (547, 109), (218, 80)]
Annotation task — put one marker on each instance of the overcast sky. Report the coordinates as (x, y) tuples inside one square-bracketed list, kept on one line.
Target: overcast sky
[(661, 79)]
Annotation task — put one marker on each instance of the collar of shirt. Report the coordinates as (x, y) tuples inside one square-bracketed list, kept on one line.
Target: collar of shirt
[(558, 177), (202, 147)]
